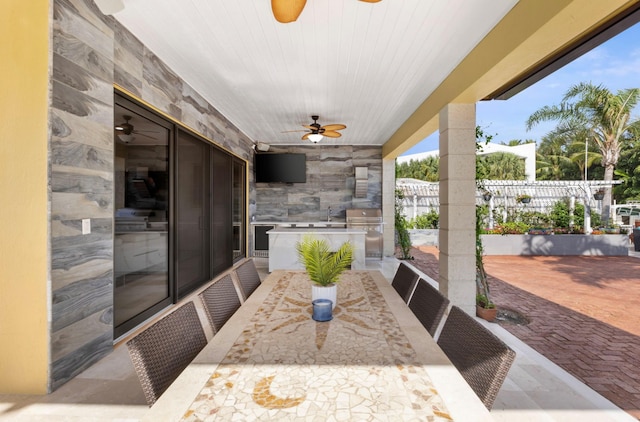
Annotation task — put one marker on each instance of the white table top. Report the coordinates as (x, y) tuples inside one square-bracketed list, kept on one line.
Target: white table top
[(272, 361)]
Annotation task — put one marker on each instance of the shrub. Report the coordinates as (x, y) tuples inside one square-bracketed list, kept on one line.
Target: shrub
[(429, 220), (510, 228), (560, 215)]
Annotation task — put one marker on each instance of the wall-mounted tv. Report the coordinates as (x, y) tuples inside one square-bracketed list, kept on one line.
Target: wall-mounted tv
[(280, 168)]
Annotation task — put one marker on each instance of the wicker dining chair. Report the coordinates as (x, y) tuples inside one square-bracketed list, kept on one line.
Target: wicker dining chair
[(220, 301), (248, 277), (404, 280), (162, 351), (428, 305), (481, 357)]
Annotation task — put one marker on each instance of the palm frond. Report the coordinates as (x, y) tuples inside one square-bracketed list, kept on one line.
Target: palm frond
[(323, 266)]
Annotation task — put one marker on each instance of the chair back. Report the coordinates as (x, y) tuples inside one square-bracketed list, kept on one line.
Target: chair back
[(404, 280), (162, 351), (428, 305), (248, 276), (220, 301), (481, 357)]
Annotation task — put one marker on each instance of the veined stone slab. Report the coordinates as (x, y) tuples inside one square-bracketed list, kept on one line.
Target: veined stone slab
[(282, 245)]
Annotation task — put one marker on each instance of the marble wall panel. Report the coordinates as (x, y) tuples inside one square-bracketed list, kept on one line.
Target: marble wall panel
[(81, 162), (78, 19), (128, 57), (66, 340), (161, 86), (80, 79), (67, 367), (330, 183), (70, 127), (76, 301)]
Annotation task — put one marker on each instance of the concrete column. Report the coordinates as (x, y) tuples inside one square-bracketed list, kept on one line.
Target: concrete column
[(457, 204), (388, 205)]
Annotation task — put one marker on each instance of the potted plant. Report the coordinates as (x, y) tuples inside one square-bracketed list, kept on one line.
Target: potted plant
[(324, 266), (598, 195), (523, 199), (485, 308)]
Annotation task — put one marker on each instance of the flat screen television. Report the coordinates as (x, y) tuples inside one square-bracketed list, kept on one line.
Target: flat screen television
[(280, 168)]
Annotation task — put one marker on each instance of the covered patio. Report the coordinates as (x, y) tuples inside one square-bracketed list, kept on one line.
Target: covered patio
[(392, 72)]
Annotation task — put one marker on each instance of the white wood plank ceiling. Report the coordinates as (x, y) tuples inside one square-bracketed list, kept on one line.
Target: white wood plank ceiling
[(366, 65)]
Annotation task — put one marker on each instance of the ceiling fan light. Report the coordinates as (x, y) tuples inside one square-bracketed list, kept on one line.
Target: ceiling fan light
[(315, 137), (126, 138)]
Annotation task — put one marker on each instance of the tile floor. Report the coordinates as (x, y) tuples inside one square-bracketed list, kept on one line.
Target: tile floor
[(535, 389)]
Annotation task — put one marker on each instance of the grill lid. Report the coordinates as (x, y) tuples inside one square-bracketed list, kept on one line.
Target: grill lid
[(364, 216)]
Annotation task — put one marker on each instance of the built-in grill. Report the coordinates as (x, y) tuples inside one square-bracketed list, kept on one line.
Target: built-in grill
[(370, 220)]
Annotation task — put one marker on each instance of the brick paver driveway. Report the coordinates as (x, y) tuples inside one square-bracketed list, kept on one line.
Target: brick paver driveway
[(584, 314)]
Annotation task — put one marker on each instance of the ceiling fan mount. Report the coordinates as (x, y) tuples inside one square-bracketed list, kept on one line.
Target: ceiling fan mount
[(314, 129), (126, 127)]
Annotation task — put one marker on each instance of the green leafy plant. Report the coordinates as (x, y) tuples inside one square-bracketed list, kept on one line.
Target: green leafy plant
[(323, 266), (427, 220), (510, 227), (523, 199), (483, 301), (401, 226)]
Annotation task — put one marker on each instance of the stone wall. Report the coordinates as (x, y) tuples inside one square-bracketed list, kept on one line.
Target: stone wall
[(90, 53), (81, 168), (330, 183)]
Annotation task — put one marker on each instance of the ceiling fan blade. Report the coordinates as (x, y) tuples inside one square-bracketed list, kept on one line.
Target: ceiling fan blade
[(311, 127), (331, 134), (336, 126), (305, 136), (286, 11), (370, 1), (290, 131), (142, 132), (146, 136)]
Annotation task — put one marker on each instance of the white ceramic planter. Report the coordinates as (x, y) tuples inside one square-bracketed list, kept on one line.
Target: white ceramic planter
[(325, 292)]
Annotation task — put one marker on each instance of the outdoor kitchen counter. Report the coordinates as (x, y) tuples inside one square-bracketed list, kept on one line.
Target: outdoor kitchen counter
[(282, 245)]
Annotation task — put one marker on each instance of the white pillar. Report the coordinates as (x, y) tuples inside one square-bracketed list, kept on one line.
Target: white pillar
[(457, 204), (572, 210), (388, 205), (491, 219)]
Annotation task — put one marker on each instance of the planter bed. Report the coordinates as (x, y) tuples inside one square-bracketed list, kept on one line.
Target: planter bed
[(555, 244)]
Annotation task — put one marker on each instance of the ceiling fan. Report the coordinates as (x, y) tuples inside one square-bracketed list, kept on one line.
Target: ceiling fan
[(316, 132), (128, 130), (286, 11)]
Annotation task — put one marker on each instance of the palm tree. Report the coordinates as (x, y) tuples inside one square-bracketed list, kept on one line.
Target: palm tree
[(605, 115), (501, 166)]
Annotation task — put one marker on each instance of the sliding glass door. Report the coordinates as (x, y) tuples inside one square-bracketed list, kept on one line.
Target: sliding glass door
[(193, 210), (180, 216), (142, 285)]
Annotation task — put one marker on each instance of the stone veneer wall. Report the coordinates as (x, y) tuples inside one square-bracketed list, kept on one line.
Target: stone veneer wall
[(330, 183), (90, 53)]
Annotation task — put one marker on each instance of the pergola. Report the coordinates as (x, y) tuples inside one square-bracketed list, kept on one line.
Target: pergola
[(421, 196)]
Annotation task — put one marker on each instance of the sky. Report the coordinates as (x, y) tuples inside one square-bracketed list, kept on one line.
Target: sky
[(614, 64)]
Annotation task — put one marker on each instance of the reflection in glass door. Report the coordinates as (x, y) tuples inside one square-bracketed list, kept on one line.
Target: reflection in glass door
[(141, 245), (239, 219)]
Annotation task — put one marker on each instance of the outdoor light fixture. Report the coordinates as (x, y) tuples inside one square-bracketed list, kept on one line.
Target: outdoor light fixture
[(126, 138), (315, 138), (109, 7)]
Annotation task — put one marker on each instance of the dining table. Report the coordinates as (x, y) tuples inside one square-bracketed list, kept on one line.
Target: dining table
[(272, 361)]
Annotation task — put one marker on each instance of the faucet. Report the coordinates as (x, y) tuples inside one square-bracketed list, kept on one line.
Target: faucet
[(328, 213)]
